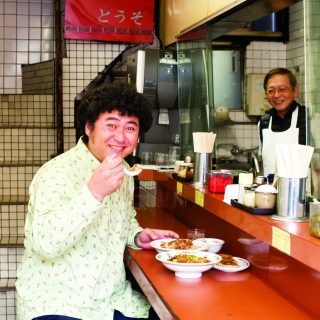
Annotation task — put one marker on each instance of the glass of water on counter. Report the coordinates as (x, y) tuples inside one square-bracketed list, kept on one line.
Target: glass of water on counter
[(196, 233)]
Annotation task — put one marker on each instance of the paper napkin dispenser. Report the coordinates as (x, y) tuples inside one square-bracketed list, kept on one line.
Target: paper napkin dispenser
[(154, 71)]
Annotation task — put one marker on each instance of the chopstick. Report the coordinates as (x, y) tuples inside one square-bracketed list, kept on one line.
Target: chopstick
[(203, 142), (293, 160)]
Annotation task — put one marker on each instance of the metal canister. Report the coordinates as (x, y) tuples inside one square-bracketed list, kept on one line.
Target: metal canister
[(292, 197), (259, 180)]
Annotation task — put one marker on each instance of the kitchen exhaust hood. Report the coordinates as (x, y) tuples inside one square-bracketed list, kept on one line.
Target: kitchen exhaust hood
[(233, 19)]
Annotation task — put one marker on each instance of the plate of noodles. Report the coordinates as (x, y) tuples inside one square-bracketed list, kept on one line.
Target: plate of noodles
[(229, 263), (164, 245), (188, 263)]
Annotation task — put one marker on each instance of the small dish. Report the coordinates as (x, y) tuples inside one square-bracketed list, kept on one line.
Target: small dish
[(156, 244), (188, 270), (175, 176), (243, 264), (134, 172), (215, 244)]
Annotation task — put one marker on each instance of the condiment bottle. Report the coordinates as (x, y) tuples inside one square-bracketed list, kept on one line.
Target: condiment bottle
[(245, 180), (249, 196), (266, 197)]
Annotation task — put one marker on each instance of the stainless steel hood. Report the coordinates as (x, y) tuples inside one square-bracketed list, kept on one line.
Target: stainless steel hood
[(238, 15)]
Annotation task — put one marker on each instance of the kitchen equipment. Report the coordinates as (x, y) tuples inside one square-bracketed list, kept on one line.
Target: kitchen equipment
[(255, 166), (291, 200)]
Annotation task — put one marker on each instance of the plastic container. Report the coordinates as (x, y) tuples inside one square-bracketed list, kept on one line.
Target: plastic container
[(231, 192), (266, 197), (249, 197), (314, 216), (245, 180), (217, 180), (265, 200)]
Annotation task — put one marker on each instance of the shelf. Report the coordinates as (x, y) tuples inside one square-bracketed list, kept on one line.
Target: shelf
[(223, 122)]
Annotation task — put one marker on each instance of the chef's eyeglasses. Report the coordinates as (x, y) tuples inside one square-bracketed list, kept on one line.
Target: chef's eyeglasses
[(281, 90)]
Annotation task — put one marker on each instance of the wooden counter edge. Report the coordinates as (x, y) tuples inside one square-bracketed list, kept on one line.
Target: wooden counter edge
[(304, 248), (147, 288)]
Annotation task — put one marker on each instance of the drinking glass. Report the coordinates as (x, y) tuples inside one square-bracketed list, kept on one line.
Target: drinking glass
[(161, 159), (146, 157), (196, 233)]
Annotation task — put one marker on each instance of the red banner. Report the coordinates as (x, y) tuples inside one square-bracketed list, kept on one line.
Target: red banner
[(110, 20)]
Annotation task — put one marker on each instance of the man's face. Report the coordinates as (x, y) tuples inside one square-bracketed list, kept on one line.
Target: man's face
[(280, 94), (113, 133)]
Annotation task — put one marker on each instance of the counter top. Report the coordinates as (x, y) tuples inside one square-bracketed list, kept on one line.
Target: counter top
[(303, 247), (216, 295)]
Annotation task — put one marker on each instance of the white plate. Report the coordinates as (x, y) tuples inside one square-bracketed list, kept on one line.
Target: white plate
[(243, 263), (188, 270), (156, 244)]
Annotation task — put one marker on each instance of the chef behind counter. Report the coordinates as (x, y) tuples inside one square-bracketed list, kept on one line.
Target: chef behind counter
[(285, 123)]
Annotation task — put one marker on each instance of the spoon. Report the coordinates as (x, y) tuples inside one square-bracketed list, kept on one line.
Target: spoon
[(134, 172)]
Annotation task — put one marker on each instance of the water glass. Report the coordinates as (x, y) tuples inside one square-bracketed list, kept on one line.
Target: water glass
[(146, 157), (174, 155), (161, 159), (196, 233)]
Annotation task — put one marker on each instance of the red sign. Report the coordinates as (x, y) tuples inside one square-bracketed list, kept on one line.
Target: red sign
[(110, 20)]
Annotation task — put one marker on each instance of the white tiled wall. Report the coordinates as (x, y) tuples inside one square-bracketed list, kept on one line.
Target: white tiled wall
[(86, 58), (261, 57), (26, 36)]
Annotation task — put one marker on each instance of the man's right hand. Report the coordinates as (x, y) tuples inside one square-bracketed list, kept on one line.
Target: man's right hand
[(107, 178)]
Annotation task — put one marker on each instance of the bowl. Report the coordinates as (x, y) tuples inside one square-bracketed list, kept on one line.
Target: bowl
[(215, 244), (156, 244), (188, 270)]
